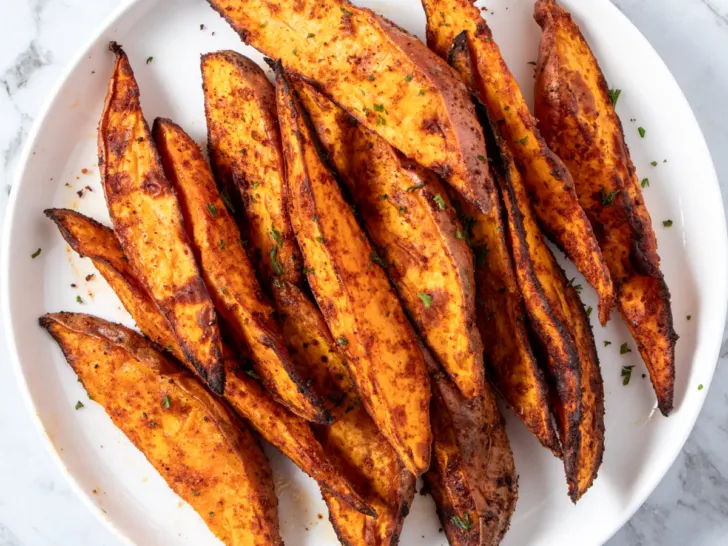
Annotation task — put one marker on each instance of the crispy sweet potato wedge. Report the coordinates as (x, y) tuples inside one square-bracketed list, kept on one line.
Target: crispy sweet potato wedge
[(245, 151), (148, 223), (228, 273), (548, 181), (407, 214), (388, 80), (198, 445), (284, 430), (578, 121), (354, 294), (473, 477), (555, 313)]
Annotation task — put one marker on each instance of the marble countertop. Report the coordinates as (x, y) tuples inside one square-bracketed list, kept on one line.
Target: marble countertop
[(38, 38)]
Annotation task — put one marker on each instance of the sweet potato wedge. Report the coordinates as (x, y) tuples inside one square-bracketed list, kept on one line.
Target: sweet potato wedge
[(228, 273), (556, 315), (283, 429), (354, 294), (408, 217), (548, 181), (148, 223), (198, 445), (387, 79), (245, 152), (579, 122), (473, 478)]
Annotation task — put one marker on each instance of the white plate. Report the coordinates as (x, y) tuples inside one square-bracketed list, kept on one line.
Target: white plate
[(115, 479)]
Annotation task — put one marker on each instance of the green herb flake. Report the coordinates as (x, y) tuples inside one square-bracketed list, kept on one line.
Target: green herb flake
[(35, 254), (626, 374), (614, 96), (371, 77), (78, 299), (310, 35), (607, 343), (295, 51), (320, 239), (459, 234), (481, 157), (667, 223), (212, 209), (608, 198), (589, 310), (645, 183), (700, 387), (523, 140), (165, 402), (408, 78), (464, 523), (254, 185), (440, 201), (263, 24), (383, 197), (532, 63), (420, 92), (222, 244), (401, 210), (578, 288), (377, 259), (149, 59), (196, 493), (346, 12), (308, 270), (278, 268), (426, 299), (226, 200), (624, 349), (342, 341), (79, 405), (653, 163), (252, 374), (641, 131), (414, 188), (276, 236)]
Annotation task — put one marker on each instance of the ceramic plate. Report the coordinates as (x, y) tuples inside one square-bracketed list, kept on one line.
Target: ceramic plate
[(121, 486)]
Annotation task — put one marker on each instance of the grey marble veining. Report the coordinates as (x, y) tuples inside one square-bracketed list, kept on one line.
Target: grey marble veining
[(37, 39)]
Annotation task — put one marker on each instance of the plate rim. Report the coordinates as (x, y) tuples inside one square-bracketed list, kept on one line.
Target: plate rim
[(9, 330)]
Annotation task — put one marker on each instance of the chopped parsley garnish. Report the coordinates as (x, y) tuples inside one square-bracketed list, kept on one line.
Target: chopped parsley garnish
[(79, 405), (421, 92), (346, 12), (415, 188), (523, 140), (377, 259), (252, 374), (371, 77), (149, 59), (264, 24), (464, 523), (310, 35), (276, 236), (212, 209), (426, 299), (624, 349), (165, 402), (320, 239), (459, 234), (342, 341), (254, 185), (653, 163), (222, 244), (608, 198), (308, 270), (645, 183), (626, 374), (78, 299), (481, 157), (196, 493), (607, 343), (35, 254), (383, 197), (278, 268), (408, 78), (589, 311), (440, 201), (667, 223), (295, 51), (614, 96), (641, 131), (700, 387)]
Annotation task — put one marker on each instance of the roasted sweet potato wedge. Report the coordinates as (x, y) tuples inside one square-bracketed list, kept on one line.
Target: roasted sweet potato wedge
[(548, 181), (199, 446), (387, 79), (556, 315), (473, 477), (284, 430), (228, 273), (578, 120), (354, 294), (407, 214), (245, 151), (148, 223)]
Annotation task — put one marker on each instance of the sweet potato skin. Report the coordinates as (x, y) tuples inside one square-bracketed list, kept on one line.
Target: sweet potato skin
[(283, 429), (354, 295), (148, 223), (579, 122), (473, 478), (551, 188), (407, 214), (245, 153), (555, 313), (228, 273), (201, 449), (388, 80)]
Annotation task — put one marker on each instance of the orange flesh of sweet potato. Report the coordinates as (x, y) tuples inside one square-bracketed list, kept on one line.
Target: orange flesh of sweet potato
[(579, 122), (245, 152), (201, 449), (354, 295), (387, 79), (556, 315), (407, 214), (229, 274), (283, 429), (148, 223), (548, 181)]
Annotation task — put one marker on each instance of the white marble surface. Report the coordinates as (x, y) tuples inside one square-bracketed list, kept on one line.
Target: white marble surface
[(37, 39)]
